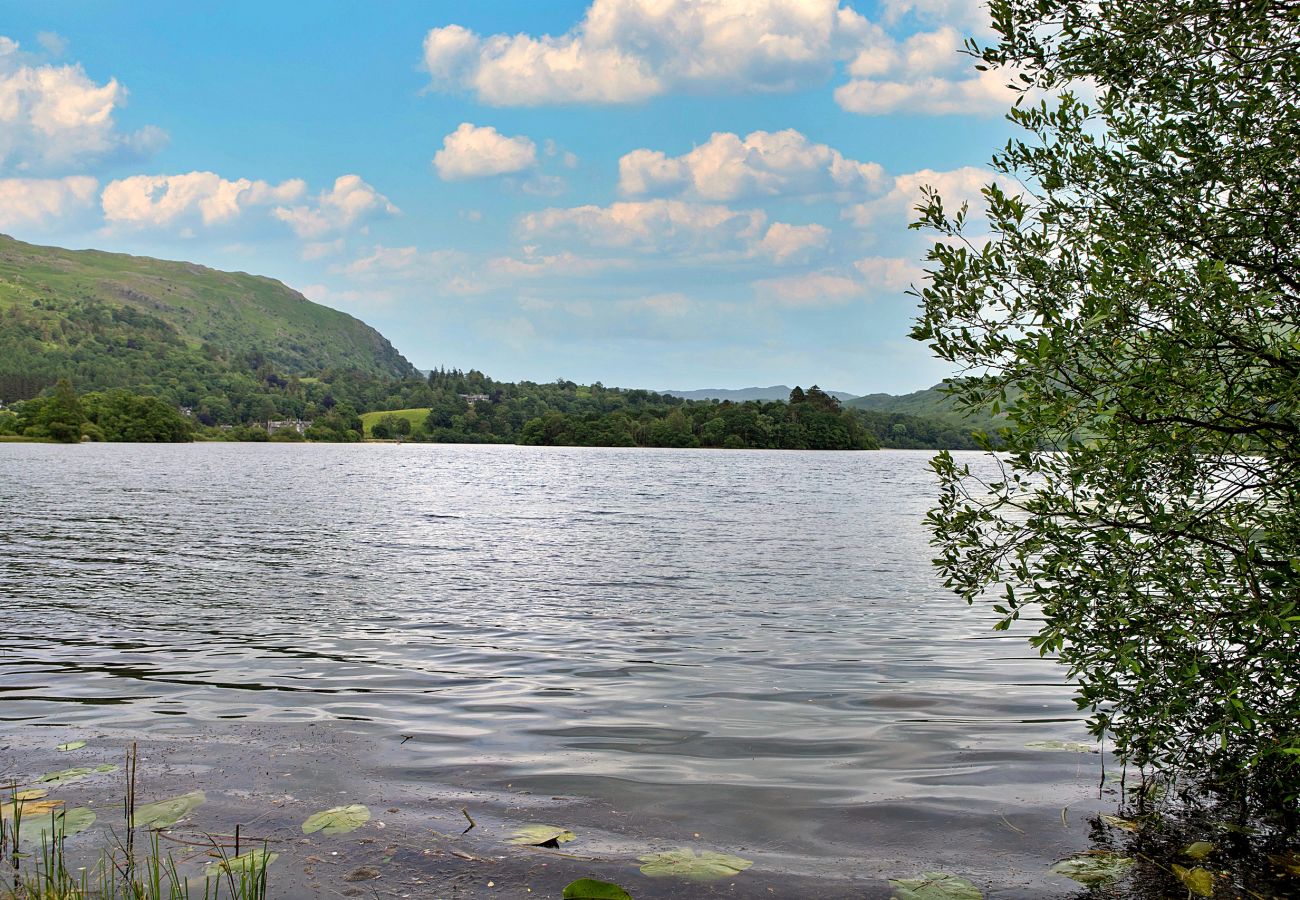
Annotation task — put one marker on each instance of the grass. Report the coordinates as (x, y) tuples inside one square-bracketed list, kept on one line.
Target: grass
[(415, 416), (120, 872)]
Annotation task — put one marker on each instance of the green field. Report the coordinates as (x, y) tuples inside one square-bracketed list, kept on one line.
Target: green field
[(415, 416)]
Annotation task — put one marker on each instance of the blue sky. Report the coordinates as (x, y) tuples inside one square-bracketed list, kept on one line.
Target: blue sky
[(648, 193)]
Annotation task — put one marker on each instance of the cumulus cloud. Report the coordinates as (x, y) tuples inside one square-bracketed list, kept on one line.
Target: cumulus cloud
[(648, 226), (955, 186), (158, 200), (793, 243), (813, 289), (762, 164), (350, 202), (55, 117), (40, 202), (890, 273), (472, 151), (624, 51)]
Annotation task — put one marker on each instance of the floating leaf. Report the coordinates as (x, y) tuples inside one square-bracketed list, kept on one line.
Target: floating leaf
[(66, 775), (105, 767), (1122, 824), (33, 794), (1094, 867), (542, 836), (1198, 849), (31, 809), (71, 745), (339, 820), (244, 862), (934, 886), (1062, 746), (77, 820), (49, 824), (166, 813), (1199, 881), (684, 863), (591, 889)]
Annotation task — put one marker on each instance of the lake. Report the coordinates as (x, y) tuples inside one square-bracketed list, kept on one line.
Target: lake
[(742, 651)]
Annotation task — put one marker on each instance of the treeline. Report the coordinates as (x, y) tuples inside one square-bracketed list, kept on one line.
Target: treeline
[(117, 415)]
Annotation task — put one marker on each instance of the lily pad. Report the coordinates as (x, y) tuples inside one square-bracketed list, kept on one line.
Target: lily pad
[(1094, 867), (685, 863), (542, 836), (338, 820), (166, 813), (591, 889), (1199, 881), (60, 823), (105, 767), (1122, 824), (31, 809), (33, 794), (934, 886), (70, 745), (1198, 849), (244, 862), (1062, 746)]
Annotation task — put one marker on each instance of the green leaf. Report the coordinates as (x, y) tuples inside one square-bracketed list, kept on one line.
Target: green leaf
[(33, 794), (66, 775), (1094, 867), (166, 813), (64, 823), (1198, 850), (244, 862), (591, 889), (338, 820), (71, 745), (542, 836), (1199, 881), (684, 863), (1062, 746), (934, 886)]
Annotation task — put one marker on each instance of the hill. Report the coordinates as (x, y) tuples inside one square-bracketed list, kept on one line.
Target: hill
[(931, 404), (740, 395), (110, 320)]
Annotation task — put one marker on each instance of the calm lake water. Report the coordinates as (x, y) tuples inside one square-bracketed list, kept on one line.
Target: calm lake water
[(730, 650)]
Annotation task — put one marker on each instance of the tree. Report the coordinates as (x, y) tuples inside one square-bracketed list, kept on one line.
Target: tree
[(1137, 312), (60, 416)]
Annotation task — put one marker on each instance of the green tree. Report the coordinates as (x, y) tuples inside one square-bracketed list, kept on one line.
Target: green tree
[(60, 416), (1137, 311)]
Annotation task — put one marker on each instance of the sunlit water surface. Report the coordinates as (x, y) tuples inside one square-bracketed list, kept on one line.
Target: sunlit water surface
[(751, 647)]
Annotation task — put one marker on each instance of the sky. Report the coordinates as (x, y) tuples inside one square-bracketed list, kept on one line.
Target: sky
[(668, 194)]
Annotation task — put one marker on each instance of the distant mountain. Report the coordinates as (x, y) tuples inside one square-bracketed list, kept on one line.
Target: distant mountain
[(112, 320), (739, 395)]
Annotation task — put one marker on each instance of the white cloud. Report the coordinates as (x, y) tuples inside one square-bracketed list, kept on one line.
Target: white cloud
[(649, 226), (55, 117), (53, 42), (793, 243), (764, 163), (985, 94), (472, 151), (158, 200), (813, 289), (630, 50), (955, 186), (350, 202), (565, 264), (670, 305), (971, 15), (890, 273), (40, 202)]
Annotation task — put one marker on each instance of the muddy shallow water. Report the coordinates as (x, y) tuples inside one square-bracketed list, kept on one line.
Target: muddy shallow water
[(737, 651)]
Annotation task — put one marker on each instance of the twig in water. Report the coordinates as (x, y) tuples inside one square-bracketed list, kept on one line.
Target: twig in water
[(472, 823), (1009, 825), (1064, 824)]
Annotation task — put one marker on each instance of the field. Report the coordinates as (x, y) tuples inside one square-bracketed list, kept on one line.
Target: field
[(415, 416)]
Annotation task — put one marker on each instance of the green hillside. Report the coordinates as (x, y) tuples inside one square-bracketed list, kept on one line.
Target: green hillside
[(932, 405), (110, 319)]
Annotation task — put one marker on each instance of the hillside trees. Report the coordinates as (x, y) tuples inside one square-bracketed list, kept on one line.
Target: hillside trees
[(1137, 312)]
